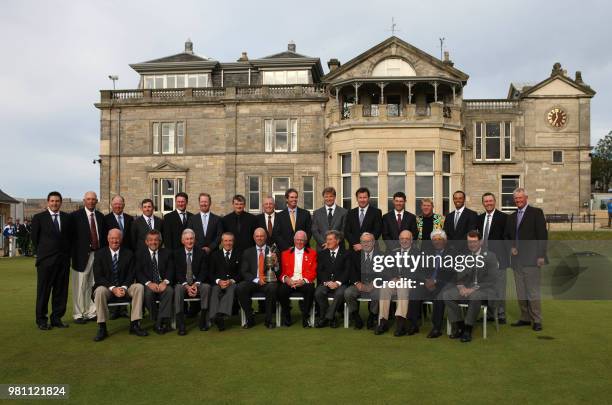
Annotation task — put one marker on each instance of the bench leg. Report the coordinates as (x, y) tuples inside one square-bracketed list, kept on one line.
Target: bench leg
[(346, 316), (242, 317), (312, 315), (278, 315), (484, 322), (448, 327)]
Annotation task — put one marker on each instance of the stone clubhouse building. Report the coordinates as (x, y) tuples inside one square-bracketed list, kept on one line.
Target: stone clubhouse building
[(392, 119)]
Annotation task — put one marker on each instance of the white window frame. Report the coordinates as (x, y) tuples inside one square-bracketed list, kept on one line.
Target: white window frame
[(281, 193), (501, 198), (250, 193), (202, 80), (158, 196), (176, 141), (371, 174), (447, 175), (309, 192), (425, 174), (270, 135), (346, 196), (503, 136), (281, 77), (395, 174)]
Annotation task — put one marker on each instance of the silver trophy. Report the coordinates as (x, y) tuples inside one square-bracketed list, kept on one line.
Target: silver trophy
[(270, 265)]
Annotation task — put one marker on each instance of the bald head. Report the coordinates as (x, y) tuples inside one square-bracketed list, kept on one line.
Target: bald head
[(115, 236), (300, 239), (260, 235)]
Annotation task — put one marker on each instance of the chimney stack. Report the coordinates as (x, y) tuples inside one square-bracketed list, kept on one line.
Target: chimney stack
[(189, 46), (579, 77), (291, 46), (333, 64), (447, 60), (243, 57)]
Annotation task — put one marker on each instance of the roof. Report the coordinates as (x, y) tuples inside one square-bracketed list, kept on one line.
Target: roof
[(523, 89), (7, 199), (179, 57), (286, 54)]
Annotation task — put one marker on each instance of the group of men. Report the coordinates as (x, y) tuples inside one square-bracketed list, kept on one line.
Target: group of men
[(20, 233), (221, 261)]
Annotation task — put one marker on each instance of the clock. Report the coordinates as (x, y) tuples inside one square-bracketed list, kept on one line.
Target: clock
[(557, 117)]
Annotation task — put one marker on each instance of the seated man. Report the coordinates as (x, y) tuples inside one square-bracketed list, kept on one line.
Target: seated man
[(299, 271), (253, 272), (401, 294), (473, 285), (431, 281), (225, 271), (333, 265), (191, 280), (114, 281), (155, 269), (361, 281)]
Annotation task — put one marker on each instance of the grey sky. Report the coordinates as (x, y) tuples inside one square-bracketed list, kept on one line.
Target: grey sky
[(56, 56)]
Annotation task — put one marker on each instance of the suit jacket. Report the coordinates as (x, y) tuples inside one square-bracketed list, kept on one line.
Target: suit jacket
[(532, 236), (338, 270), (485, 276), (309, 264), (51, 247), (213, 231), (103, 269), (359, 270), (144, 266), (468, 221), (81, 245), (128, 221), (495, 242), (173, 229), (140, 228), (262, 222), (391, 231), (444, 273), (242, 226), (220, 269), (372, 223), (402, 272), (249, 265), (283, 232), (320, 225), (199, 265)]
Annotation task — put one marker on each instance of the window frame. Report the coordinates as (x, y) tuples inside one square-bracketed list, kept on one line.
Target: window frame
[(506, 208), (250, 193), (395, 174), (374, 197), (418, 174), (274, 194), (271, 135), (176, 77), (276, 74), (552, 156), (178, 138), (346, 198), (310, 192), (480, 141), (158, 196)]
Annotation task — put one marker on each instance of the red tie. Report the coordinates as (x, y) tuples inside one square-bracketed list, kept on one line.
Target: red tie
[(269, 226), (399, 221), (95, 243), (260, 265)]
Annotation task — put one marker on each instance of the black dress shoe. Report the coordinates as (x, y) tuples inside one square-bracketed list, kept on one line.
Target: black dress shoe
[(412, 330), (80, 321), (270, 325), (381, 327), (434, 333), (160, 330), (371, 323), (501, 321), (220, 322), (457, 332), (333, 323), (250, 322), (537, 327), (204, 328), (94, 319), (59, 324), (358, 321), (306, 323), (137, 330), (520, 322), (182, 331), (322, 323), (44, 326), (115, 315), (286, 320), (101, 335), (400, 332)]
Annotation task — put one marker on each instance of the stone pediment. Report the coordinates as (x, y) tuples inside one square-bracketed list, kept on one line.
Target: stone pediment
[(424, 65), (558, 86), (168, 167)]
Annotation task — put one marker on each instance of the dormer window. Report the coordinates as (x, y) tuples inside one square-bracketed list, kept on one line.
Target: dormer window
[(285, 77), (176, 81)]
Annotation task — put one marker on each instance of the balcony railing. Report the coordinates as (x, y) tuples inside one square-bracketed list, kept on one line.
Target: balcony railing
[(370, 110), (433, 113), (492, 104)]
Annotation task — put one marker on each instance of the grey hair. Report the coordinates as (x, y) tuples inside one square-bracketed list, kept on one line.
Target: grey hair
[(440, 233), (366, 234), (188, 231), (520, 190), (334, 232)]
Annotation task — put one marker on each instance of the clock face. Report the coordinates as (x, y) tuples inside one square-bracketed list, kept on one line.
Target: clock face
[(557, 117)]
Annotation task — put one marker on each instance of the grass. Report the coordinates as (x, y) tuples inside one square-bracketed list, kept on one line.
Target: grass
[(567, 363)]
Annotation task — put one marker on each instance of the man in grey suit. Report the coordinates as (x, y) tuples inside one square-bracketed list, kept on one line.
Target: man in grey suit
[(329, 217)]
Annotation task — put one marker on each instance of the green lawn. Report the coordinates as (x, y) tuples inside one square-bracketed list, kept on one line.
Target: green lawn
[(568, 363)]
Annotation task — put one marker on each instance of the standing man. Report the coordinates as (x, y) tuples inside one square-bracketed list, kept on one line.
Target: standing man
[(491, 225), (398, 220), (175, 222), (527, 234), (462, 220), (8, 232), (144, 224), (609, 205), (20, 233), (225, 271), (291, 220), (298, 274), (361, 219), (333, 267), (155, 270), (240, 223), (115, 281), (206, 225), (428, 221), (89, 235), (28, 237), (266, 219), (118, 219), (329, 217), (51, 236), (253, 272)]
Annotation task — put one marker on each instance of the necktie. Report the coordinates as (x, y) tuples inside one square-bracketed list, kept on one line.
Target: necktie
[(399, 221), (189, 269), (149, 223), (361, 217), (238, 223), (156, 274), (456, 219), (485, 231), (260, 265), (183, 218), (120, 222), (519, 218), (115, 269), (292, 215), (227, 257), (437, 262), (95, 243), (333, 256), (56, 224), (329, 217), (269, 225), (205, 224)]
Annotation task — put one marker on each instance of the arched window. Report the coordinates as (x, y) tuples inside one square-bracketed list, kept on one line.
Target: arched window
[(393, 67)]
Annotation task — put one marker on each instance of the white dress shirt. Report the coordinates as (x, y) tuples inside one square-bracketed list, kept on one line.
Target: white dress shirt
[(261, 249), (156, 261), (297, 265), (59, 221), (146, 219), (335, 252)]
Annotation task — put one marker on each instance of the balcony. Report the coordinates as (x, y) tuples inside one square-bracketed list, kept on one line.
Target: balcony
[(491, 105), (377, 114)]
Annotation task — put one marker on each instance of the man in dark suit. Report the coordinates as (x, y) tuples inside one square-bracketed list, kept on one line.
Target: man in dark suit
[(206, 225), (459, 222), (472, 285), (398, 220), (117, 219), (491, 225), (155, 270), (89, 235), (527, 235), (240, 223), (363, 218), (253, 273), (361, 279), (51, 236), (144, 224), (225, 272), (192, 280), (266, 219), (333, 267), (115, 281), (329, 217), (175, 222), (291, 220)]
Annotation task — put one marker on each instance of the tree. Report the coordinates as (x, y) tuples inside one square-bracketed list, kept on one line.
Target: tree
[(601, 162)]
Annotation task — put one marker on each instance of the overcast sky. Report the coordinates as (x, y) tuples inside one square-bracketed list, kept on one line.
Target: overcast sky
[(56, 56)]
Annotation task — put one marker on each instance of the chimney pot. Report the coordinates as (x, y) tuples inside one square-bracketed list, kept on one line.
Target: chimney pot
[(333, 64), (189, 46), (291, 46)]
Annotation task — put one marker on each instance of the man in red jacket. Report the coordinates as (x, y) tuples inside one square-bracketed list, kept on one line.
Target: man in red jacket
[(298, 274)]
